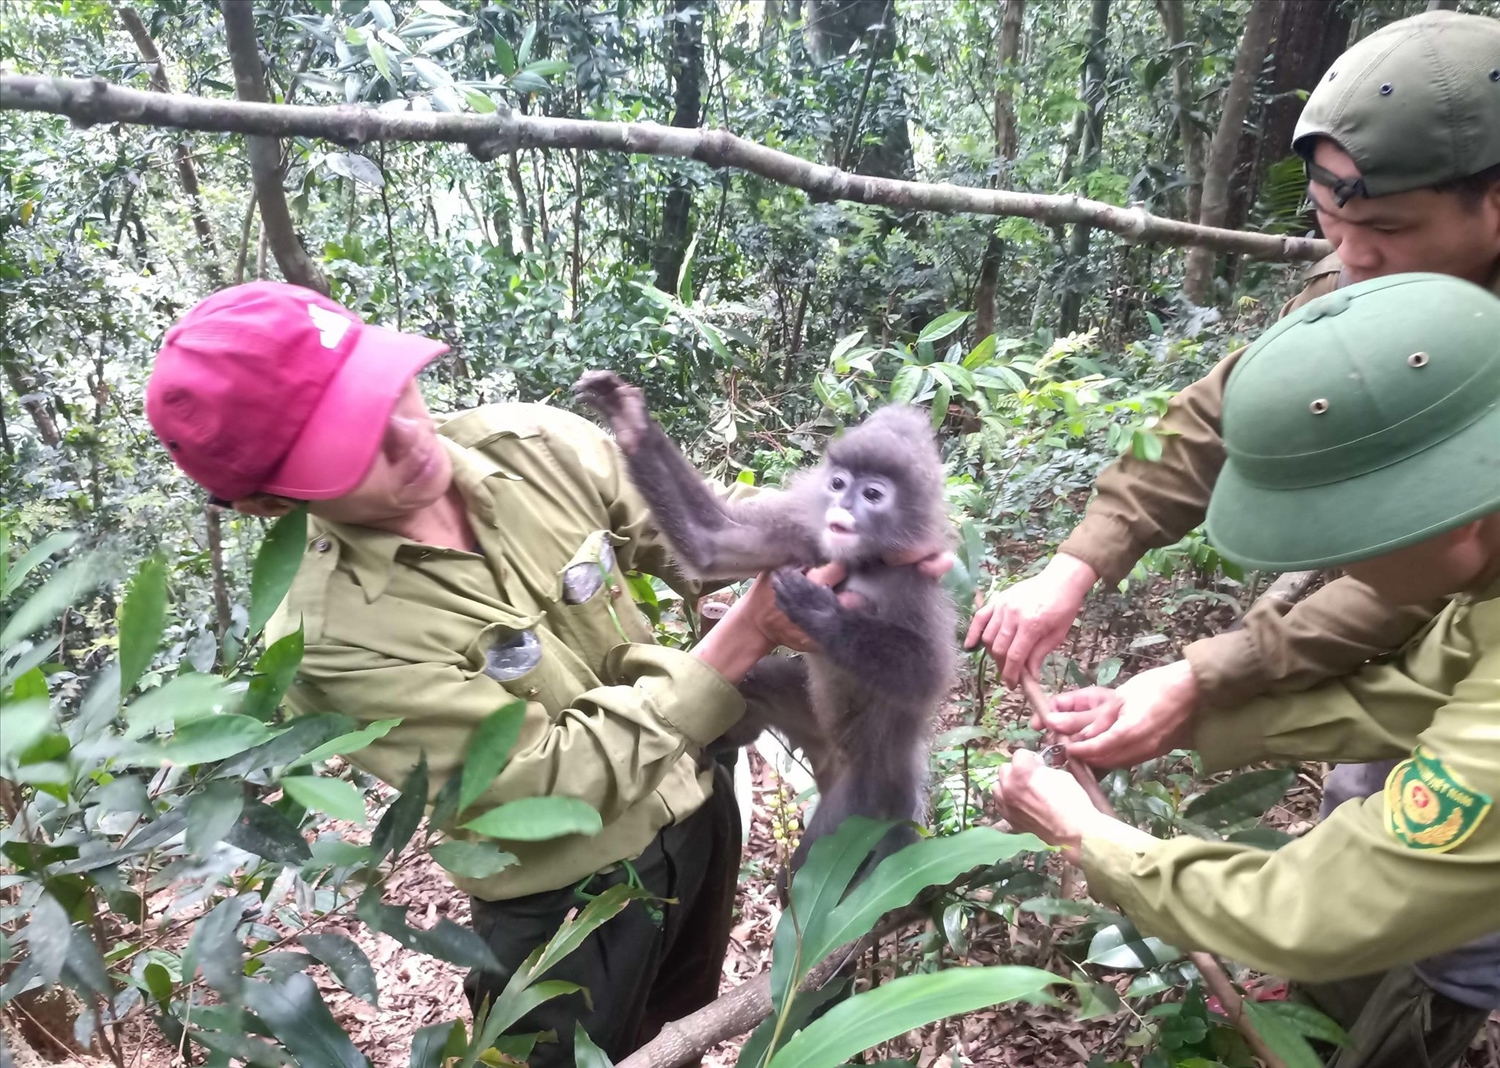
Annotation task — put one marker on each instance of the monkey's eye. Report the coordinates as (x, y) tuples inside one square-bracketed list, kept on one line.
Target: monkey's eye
[(873, 495), (836, 483)]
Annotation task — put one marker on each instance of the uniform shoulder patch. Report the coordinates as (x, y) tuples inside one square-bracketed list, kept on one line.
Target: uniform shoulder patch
[(1428, 807)]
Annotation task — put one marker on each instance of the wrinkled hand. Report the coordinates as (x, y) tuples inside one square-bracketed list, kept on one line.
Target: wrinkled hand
[(934, 563), (1048, 802), (1143, 718), (1021, 625), (759, 608)]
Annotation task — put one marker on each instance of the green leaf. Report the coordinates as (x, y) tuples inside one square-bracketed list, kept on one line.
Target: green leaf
[(294, 1012), (211, 813), (215, 738), (440, 9), (277, 562), (401, 820), (526, 82), (430, 72), (907, 382), (345, 744), (1121, 946), (47, 937), (183, 700), (12, 577), (268, 834), (446, 941), (433, 1045), (537, 819), (216, 952), (143, 617), (942, 326), (489, 748), (478, 101), (1145, 445), (505, 59), (523, 57), (61, 591), (384, 17), (940, 402), (159, 982), (446, 39), (1306, 1021), (586, 1054), (274, 672), (346, 961), (1282, 1036), (295, 743), (22, 725), (334, 796), (1243, 797), (472, 860), (547, 68), (903, 1004), (685, 272)]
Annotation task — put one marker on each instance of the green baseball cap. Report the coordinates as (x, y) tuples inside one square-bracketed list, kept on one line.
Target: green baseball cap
[(1366, 421), (1415, 104)]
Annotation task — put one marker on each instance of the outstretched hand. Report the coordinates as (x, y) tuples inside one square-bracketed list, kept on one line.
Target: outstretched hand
[(1144, 718), (1022, 624)]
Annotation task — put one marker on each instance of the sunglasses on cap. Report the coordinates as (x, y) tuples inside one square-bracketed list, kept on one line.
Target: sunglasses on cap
[(1343, 189)]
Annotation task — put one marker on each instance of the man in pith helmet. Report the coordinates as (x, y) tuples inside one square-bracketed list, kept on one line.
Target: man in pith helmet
[(1380, 456)]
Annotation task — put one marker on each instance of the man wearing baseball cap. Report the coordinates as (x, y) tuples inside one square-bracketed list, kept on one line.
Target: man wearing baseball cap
[(1380, 456), (453, 569), (1401, 139)]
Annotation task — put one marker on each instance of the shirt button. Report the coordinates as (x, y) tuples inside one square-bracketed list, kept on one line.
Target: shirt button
[(614, 592), (532, 691), (323, 545)]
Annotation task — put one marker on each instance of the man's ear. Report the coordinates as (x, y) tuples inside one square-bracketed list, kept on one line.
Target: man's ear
[(265, 505)]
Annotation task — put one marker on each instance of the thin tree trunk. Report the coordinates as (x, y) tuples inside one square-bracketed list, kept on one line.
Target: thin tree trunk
[(187, 174), (26, 388), (1183, 98), (1094, 103), (528, 228), (1005, 154), (1198, 281), (244, 249), (265, 152), (687, 75), (216, 570)]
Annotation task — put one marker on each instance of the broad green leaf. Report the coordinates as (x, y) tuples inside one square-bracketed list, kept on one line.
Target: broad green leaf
[(1306, 1021), (942, 326), (981, 354), (547, 68), (22, 724), (238, 1046), (526, 82), (401, 820), (296, 743), (214, 738), (523, 56), (47, 937), (334, 796), (1282, 1035), (758, 1046), (430, 72), (472, 860), (907, 382), (537, 819), (294, 1012), (346, 961), (586, 1054), (440, 9), (489, 748), (143, 617), (443, 40), (433, 1045), (211, 813), (1243, 797), (274, 672), (276, 564), (505, 59), (685, 272), (61, 591), (446, 941), (1145, 445), (217, 952), (159, 982), (28, 663), (1120, 946), (385, 18), (268, 834), (903, 1004), (11, 577), (843, 345), (31, 686), (940, 402), (345, 744), (182, 701), (478, 101)]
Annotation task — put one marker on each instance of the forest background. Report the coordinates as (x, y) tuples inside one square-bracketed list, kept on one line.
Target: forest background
[(149, 838)]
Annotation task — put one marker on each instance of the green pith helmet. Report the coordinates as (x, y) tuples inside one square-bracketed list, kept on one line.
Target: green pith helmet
[(1366, 421), (1415, 104)]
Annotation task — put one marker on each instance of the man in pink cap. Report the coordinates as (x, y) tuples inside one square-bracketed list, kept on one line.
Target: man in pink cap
[(452, 569)]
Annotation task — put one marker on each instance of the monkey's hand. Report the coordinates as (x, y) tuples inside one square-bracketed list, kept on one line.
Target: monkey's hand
[(811, 607), (618, 401)]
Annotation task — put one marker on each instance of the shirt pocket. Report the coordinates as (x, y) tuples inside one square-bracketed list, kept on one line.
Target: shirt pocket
[(593, 610), (530, 662)]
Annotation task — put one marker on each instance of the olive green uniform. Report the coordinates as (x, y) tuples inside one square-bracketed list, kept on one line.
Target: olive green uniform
[(1143, 504), (440, 638)]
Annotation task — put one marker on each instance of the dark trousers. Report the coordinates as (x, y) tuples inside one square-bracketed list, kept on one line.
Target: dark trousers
[(640, 973), (1394, 1020)]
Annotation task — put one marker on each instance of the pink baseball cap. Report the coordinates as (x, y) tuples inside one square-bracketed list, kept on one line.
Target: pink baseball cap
[(273, 388)]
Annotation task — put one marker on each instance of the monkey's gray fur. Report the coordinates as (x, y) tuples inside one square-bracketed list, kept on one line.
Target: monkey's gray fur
[(862, 709)]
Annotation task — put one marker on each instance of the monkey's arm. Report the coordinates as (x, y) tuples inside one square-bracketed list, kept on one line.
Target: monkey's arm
[(714, 538), (882, 653)]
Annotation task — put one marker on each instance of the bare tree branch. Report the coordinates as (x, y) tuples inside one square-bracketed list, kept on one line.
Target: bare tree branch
[(265, 152), (88, 101)]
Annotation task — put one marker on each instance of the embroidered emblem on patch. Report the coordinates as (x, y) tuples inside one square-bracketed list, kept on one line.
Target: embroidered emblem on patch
[(1428, 807)]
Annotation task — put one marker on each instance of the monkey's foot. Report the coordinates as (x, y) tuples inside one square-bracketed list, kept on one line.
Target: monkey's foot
[(810, 606), (618, 401)]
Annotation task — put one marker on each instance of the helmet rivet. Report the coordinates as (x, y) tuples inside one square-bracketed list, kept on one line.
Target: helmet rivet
[(1319, 406), (1332, 75), (1495, 75), (1385, 90), (1418, 359)]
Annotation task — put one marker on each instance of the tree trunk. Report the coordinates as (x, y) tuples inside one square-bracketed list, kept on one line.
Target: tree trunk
[(1094, 104), (1198, 283), (687, 75), (265, 152), (1183, 99), (1005, 154), (187, 174), (26, 390), (834, 28)]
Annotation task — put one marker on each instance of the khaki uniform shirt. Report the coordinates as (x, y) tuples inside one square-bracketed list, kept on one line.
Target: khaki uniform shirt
[(1144, 504), (397, 629), (1385, 879)]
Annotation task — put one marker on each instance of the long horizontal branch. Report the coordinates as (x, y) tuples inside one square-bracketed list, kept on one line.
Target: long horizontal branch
[(95, 100)]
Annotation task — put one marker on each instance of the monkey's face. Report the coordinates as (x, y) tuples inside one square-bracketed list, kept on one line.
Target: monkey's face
[(858, 517)]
